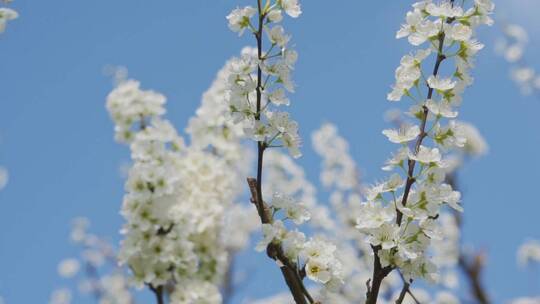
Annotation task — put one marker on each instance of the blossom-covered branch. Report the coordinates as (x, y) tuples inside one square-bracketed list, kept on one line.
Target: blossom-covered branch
[(256, 91), (400, 227)]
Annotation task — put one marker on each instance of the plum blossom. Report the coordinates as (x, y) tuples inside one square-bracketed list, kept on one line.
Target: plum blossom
[(401, 226), (291, 7)]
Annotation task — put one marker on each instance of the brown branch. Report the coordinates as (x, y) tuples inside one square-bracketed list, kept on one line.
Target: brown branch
[(292, 275), (413, 296), (412, 163), (379, 273), (158, 292), (289, 269), (403, 292), (473, 271), (406, 290)]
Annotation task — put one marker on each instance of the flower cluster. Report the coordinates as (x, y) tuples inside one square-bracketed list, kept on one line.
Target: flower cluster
[(346, 202), (399, 215), (512, 47), (294, 201), (339, 169), (130, 107), (316, 254), (339, 174), (211, 128), (259, 80), (285, 178), (176, 196)]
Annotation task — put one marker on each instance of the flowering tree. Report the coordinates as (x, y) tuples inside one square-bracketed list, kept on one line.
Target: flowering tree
[(185, 219)]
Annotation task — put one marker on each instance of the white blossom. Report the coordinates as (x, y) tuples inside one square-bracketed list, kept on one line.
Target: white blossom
[(68, 268), (291, 7), (441, 84), (239, 19), (426, 155), (405, 134), (6, 15)]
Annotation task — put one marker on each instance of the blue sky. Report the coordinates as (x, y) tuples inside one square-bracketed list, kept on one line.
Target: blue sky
[(57, 139)]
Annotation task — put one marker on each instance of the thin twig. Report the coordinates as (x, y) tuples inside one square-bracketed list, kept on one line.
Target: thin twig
[(406, 290), (403, 293), (473, 272), (158, 292)]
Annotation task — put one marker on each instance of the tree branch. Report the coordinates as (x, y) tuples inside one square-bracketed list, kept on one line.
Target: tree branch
[(412, 163), (158, 292), (380, 273), (274, 251), (473, 271), (403, 292)]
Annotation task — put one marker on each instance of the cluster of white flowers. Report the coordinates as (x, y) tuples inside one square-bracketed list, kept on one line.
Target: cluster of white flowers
[(339, 174), (296, 203), (399, 214), (183, 222), (130, 108), (210, 127), (355, 253), (339, 169), (286, 178), (253, 99), (212, 130), (512, 47), (176, 195)]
